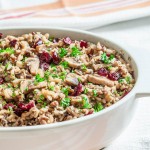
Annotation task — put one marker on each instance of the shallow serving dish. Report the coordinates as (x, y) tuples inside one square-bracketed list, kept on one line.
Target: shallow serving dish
[(90, 132)]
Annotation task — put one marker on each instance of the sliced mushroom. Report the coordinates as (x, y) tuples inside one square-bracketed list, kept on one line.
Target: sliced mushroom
[(8, 93), (72, 63), (24, 85), (48, 93), (38, 86), (72, 79), (85, 59), (33, 64), (75, 100), (100, 80)]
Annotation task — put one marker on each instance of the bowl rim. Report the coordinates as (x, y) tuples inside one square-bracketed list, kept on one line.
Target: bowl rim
[(85, 118)]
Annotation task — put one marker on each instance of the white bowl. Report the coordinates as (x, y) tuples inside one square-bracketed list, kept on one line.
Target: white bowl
[(91, 132)]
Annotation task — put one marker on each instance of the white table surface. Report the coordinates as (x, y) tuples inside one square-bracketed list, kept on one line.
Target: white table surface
[(137, 34)]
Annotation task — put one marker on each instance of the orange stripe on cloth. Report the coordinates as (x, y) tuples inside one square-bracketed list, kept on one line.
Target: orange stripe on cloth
[(134, 6), (72, 3), (141, 5), (55, 5)]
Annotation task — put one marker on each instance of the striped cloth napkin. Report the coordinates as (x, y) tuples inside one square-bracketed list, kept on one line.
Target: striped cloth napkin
[(83, 14)]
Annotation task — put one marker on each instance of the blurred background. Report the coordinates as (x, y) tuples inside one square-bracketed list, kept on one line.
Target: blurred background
[(122, 21)]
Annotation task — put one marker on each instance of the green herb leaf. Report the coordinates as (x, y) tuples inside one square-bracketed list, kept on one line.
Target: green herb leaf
[(94, 93), (120, 80), (98, 107), (62, 52), (65, 91), (85, 91), (44, 105), (63, 75), (65, 102), (86, 104), (54, 75), (51, 39), (128, 79), (75, 52), (64, 64), (7, 50), (111, 57), (46, 74), (83, 67), (53, 66), (41, 98), (51, 88), (106, 59), (26, 89), (109, 67), (38, 78)]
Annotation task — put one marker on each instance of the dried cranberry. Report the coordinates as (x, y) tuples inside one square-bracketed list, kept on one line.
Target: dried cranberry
[(44, 66), (55, 58), (1, 80), (55, 40), (83, 44), (22, 106), (13, 43), (77, 90), (1, 35), (45, 57), (6, 106), (67, 40), (90, 112), (108, 55), (18, 112), (114, 76), (26, 107), (102, 72), (30, 105)]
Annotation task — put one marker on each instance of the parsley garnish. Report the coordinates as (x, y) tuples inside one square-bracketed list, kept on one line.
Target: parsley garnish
[(85, 91), (51, 88), (53, 66), (54, 75), (51, 39), (65, 102), (120, 80), (46, 74), (128, 79), (98, 107), (38, 79), (44, 105), (26, 89), (86, 104), (13, 94), (106, 59), (7, 50), (63, 75), (75, 52), (41, 98), (83, 67), (65, 91), (109, 67), (79, 79), (62, 52), (94, 93), (64, 64)]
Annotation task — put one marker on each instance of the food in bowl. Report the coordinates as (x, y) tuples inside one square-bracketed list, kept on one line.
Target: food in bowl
[(45, 80)]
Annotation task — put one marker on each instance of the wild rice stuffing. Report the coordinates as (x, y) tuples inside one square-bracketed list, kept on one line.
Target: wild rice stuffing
[(45, 80)]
